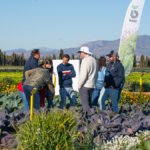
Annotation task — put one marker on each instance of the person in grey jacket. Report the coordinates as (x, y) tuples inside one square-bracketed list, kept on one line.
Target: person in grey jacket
[(87, 79)]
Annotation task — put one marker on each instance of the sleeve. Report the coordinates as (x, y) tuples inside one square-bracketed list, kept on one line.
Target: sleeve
[(49, 82), (28, 73), (83, 74), (104, 71), (59, 75), (71, 75), (120, 75)]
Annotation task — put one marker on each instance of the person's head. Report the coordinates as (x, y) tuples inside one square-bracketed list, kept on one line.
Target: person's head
[(84, 51), (48, 64), (111, 56), (66, 59), (35, 53), (117, 56), (101, 63)]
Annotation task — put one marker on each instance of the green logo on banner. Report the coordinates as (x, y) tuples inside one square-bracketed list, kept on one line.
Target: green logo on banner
[(134, 13), (134, 7)]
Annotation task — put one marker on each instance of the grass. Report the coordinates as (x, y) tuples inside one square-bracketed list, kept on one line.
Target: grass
[(15, 76), (135, 77)]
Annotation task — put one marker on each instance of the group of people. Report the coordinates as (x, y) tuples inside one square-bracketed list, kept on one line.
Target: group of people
[(96, 81)]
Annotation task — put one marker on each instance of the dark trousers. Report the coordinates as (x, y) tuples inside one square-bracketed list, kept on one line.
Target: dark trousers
[(86, 97), (27, 90)]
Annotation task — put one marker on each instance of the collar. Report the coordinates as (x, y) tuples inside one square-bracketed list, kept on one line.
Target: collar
[(86, 56), (35, 58)]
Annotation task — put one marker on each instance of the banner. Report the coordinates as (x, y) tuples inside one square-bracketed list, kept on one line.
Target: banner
[(129, 34)]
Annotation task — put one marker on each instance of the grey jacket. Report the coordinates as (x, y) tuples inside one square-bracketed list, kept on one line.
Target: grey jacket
[(88, 72)]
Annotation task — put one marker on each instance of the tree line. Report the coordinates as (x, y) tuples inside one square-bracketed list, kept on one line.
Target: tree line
[(13, 60), (19, 60), (144, 61)]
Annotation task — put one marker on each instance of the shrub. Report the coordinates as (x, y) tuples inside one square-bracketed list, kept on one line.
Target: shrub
[(56, 130)]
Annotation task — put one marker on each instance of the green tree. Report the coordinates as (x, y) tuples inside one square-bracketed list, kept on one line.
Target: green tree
[(61, 54), (4, 58), (142, 61), (22, 59), (54, 57), (1, 57), (134, 61), (72, 56), (146, 61)]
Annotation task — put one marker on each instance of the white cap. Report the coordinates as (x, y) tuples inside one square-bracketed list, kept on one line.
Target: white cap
[(84, 49)]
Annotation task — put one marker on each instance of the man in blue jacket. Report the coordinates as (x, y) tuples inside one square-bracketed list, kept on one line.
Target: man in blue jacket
[(65, 73), (31, 63), (113, 78)]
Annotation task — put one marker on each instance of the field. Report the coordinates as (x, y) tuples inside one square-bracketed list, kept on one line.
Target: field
[(66, 131)]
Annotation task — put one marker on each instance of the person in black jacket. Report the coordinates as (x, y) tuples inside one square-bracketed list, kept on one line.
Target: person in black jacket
[(31, 63), (113, 78)]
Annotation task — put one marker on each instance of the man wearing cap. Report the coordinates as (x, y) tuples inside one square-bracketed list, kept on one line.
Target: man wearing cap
[(87, 78), (113, 78)]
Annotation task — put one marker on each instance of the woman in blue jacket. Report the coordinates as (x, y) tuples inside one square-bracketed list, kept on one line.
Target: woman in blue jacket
[(100, 80)]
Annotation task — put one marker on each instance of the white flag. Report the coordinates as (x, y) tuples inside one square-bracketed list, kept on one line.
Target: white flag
[(129, 34)]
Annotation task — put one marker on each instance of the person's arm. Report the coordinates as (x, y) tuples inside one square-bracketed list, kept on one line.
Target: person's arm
[(83, 74), (120, 77), (104, 71), (59, 75), (49, 83), (71, 75), (28, 73)]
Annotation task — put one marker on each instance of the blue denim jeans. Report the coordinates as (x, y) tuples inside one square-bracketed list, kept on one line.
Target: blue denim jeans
[(50, 100), (104, 94), (23, 96), (69, 92), (96, 92), (119, 93), (27, 90)]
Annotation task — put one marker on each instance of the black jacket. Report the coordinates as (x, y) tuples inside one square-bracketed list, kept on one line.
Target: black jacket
[(116, 75)]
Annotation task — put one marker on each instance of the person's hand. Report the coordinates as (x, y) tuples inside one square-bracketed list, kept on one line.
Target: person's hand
[(79, 88), (111, 87)]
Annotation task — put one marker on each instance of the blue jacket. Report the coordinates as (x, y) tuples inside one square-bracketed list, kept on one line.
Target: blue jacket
[(101, 74), (31, 63), (114, 75), (65, 74)]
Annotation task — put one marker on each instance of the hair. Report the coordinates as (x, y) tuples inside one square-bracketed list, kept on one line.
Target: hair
[(35, 51), (50, 62), (66, 56), (101, 62)]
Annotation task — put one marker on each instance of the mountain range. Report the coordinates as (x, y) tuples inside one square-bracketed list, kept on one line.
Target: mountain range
[(101, 47)]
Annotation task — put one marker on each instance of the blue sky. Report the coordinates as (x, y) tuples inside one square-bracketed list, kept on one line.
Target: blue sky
[(59, 24)]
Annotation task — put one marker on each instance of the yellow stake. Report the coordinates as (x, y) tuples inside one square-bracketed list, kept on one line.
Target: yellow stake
[(0, 134), (140, 89), (31, 103), (54, 83)]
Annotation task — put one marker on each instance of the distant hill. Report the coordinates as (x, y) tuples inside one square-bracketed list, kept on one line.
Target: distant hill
[(97, 48), (15, 50)]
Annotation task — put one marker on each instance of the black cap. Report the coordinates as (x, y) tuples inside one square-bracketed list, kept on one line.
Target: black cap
[(111, 53)]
